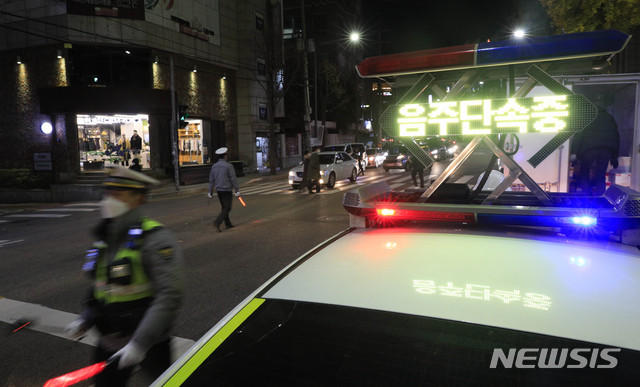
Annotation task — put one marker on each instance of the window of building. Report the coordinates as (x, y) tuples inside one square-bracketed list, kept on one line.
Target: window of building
[(190, 141), (259, 21)]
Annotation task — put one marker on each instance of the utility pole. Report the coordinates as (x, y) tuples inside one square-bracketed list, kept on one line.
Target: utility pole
[(307, 100), (174, 126)]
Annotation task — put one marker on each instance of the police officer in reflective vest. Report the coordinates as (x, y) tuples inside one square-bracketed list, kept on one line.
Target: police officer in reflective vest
[(138, 283)]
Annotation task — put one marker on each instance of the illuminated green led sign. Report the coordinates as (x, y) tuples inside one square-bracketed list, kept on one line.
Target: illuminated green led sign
[(549, 114)]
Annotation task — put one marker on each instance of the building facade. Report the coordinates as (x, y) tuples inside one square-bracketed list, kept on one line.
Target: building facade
[(98, 71)]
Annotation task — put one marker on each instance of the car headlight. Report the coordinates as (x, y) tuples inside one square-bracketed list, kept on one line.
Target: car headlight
[(292, 173)]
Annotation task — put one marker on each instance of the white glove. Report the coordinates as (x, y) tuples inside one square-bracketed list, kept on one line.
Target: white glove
[(76, 329), (209, 195), (130, 355), (237, 193)]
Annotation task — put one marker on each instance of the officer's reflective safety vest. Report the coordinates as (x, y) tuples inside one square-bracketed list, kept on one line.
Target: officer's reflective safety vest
[(124, 279)]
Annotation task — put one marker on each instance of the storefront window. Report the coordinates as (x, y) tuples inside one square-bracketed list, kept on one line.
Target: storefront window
[(110, 140), (190, 143)]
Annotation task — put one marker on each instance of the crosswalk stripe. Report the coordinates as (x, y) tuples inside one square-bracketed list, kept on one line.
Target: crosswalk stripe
[(53, 322), (261, 187)]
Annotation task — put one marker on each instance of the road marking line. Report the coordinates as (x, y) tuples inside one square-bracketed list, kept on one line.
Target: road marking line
[(53, 322), (83, 204), (69, 209), (37, 216), (8, 242)]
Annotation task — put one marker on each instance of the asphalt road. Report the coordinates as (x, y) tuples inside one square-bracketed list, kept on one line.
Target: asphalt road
[(42, 251)]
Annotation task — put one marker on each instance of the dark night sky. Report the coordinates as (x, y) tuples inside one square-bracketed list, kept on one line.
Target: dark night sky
[(410, 25)]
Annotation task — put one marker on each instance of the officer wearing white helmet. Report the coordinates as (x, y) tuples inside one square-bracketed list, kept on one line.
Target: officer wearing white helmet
[(223, 178), (138, 283)]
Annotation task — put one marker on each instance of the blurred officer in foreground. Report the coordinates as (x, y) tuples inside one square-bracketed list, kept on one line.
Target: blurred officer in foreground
[(599, 144), (223, 178), (138, 283)]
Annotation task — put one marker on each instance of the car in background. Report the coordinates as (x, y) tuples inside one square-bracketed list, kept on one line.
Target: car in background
[(446, 293), (355, 149), (334, 166), (397, 156), (440, 148), (375, 157)]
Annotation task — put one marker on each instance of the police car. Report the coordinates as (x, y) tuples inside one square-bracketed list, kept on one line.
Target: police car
[(444, 291)]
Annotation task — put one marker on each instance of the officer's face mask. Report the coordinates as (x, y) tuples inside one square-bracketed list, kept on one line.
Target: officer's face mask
[(111, 207)]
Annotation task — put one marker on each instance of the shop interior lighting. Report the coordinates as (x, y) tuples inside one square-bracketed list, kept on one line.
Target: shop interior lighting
[(59, 54), (19, 60)]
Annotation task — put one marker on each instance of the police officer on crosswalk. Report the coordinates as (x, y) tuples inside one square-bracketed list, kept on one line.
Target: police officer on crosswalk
[(138, 283), (223, 178)]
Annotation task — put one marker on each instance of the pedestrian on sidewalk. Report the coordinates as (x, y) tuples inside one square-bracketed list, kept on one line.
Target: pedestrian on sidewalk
[(138, 284), (223, 179)]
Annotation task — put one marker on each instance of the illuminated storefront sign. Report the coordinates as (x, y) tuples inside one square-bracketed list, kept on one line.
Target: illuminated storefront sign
[(483, 293), (109, 119), (550, 114)]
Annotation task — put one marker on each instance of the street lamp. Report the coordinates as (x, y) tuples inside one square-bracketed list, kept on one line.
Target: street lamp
[(354, 37)]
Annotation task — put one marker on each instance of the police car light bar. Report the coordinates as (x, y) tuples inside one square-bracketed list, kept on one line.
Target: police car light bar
[(532, 49), (618, 210)]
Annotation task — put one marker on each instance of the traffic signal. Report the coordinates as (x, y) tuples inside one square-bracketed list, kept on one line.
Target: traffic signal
[(182, 116)]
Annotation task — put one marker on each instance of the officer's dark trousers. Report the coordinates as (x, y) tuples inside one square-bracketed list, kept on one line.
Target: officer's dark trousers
[(156, 361), (420, 173), (599, 156), (225, 198)]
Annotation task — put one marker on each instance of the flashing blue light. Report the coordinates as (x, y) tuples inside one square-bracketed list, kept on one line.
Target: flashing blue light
[(579, 44), (586, 221), (135, 232)]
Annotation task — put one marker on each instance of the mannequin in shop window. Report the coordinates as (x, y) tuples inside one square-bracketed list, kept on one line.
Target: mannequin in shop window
[(125, 147)]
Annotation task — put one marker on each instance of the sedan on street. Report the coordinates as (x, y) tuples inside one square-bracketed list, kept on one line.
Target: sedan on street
[(334, 166)]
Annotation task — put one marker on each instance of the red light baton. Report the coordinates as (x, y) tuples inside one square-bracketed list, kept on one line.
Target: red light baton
[(240, 198), (76, 376)]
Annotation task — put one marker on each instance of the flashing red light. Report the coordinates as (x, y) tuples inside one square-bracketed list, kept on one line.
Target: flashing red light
[(76, 376), (436, 216), (417, 61)]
